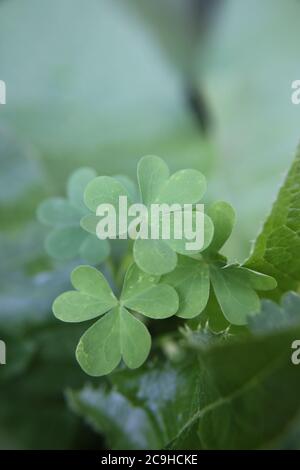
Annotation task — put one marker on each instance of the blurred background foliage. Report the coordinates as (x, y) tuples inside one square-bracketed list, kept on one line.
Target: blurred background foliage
[(203, 84)]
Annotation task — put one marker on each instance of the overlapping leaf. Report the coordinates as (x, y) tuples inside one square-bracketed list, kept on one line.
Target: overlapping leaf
[(67, 239), (234, 287), (154, 256), (118, 334)]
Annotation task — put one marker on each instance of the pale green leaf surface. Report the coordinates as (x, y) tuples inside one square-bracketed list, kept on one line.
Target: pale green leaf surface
[(136, 282), (64, 243), (99, 350), (141, 293), (180, 244), (58, 212), (152, 173), (89, 223), (191, 281), (154, 256), (159, 301), (222, 215), (73, 307), (93, 250), (135, 340), (77, 184), (92, 298), (92, 282), (183, 187), (104, 190), (129, 185), (237, 299), (116, 335), (258, 281)]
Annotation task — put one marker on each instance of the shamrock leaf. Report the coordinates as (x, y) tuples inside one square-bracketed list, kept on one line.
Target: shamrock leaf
[(67, 239), (234, 296), (118, 334), (191, 281), (154, 255)]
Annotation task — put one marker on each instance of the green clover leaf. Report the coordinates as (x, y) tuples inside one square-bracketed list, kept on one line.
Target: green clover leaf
[(154, 256), (234, 294), (67, 239), (190, 278), (118, 334)]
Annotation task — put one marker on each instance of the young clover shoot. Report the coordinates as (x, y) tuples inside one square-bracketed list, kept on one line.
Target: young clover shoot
[(234, 286), (118, 334), (155, 256), (67, 239)]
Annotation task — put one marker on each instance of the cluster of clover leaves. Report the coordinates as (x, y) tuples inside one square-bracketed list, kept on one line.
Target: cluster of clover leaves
[(164, 279)]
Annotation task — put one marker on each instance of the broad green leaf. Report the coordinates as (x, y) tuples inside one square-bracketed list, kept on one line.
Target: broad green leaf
[(183, 187), (104, 190), (190, 278), (58, 212), (251, 398), (223, 216), (93, 250), (135, 340), (276, 250), (64, 243), (236, 298), (154, 256), (92, 282), (99, 349), (152, 173), (77, 184), (123, 424)]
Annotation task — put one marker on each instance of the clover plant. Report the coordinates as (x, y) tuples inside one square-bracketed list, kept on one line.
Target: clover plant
[(156, 187), (164, 279), (118, 334), (234, 286)]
